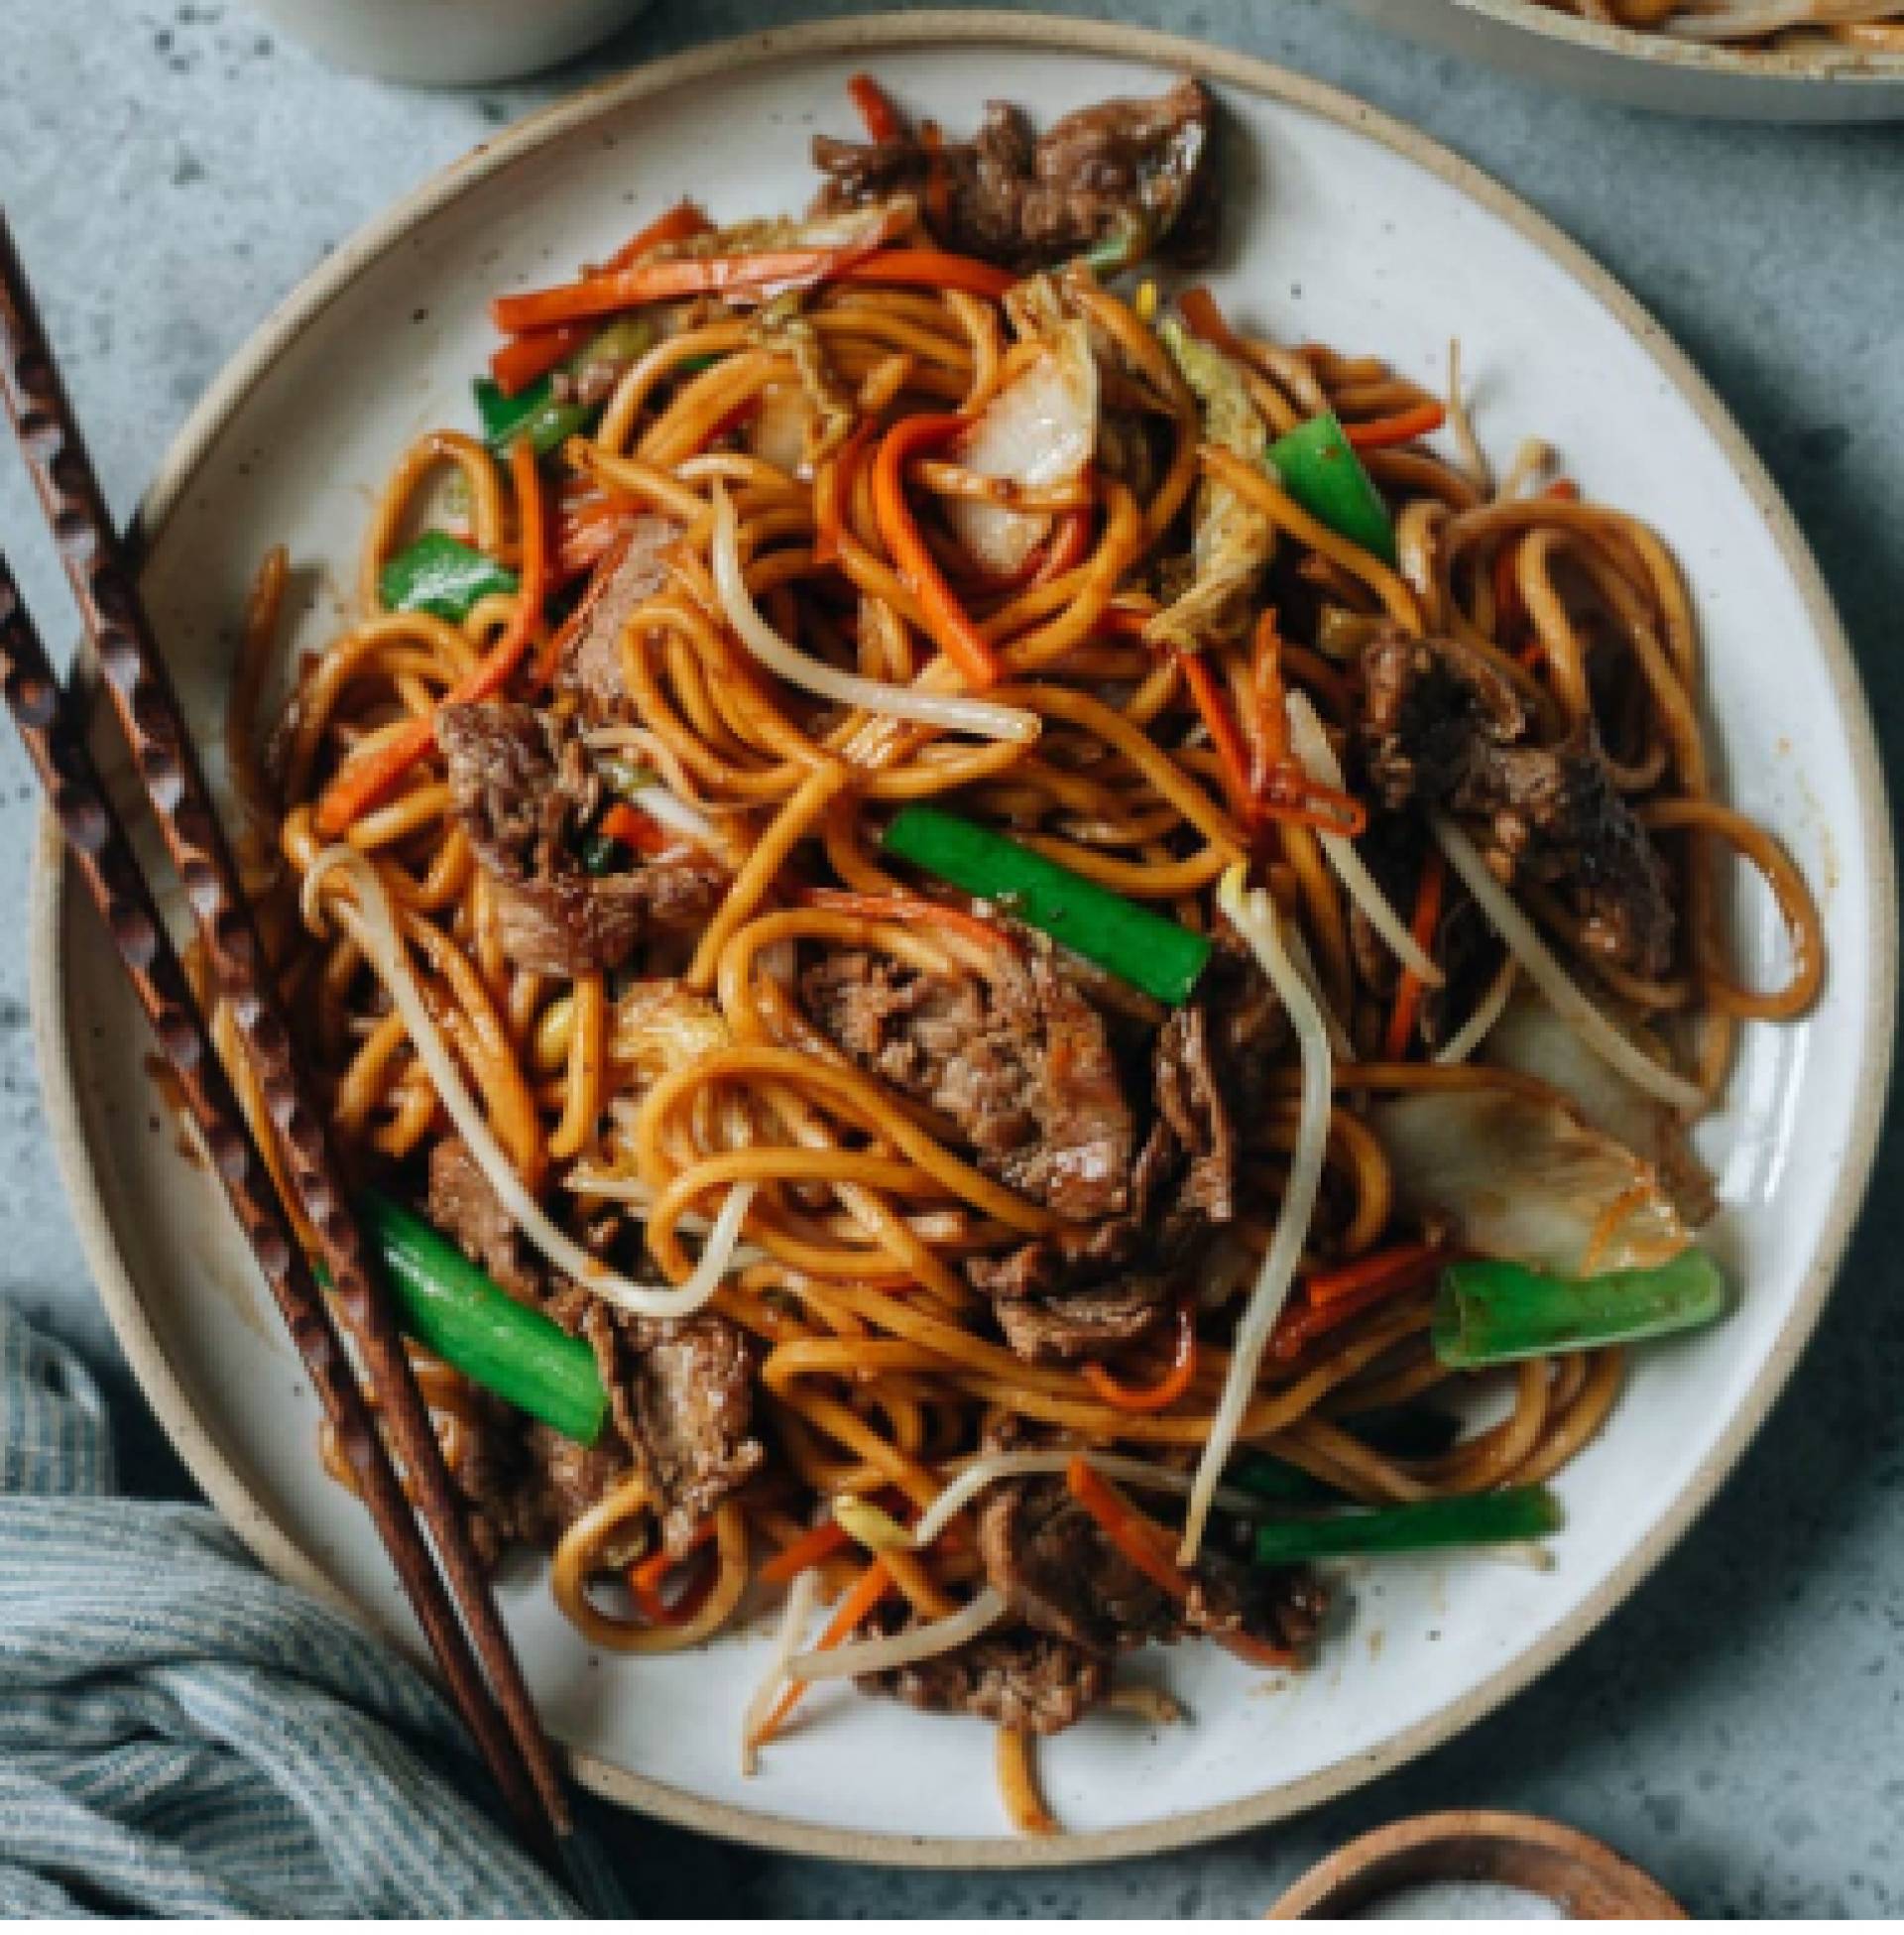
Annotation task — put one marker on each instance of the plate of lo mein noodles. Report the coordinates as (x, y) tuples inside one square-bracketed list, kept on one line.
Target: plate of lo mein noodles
[(1095, 900), (1816, 60)]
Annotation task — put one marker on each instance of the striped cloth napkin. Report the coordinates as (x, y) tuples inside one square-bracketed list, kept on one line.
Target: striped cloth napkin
[(182, 1735)]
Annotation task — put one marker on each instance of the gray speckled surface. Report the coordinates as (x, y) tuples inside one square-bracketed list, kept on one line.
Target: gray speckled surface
[(171, 169)]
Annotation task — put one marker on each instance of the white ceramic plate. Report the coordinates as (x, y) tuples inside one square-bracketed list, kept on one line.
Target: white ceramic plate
[(1348, 227), (1653, 71)]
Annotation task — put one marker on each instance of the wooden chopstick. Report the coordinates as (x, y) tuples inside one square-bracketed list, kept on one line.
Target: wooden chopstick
[(499, 1714)]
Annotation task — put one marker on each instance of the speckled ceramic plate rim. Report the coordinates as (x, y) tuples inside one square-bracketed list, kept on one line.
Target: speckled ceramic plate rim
[(196, 1438), (1850, 68)]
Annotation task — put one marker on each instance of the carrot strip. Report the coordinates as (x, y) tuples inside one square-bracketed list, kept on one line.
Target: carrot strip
[(1401, 1018), (637, 830), (1404, 427), (938, 182), (1067, 547), (1299, 1327), (1259, 1652), (1563, 490), (892, 906), (1225, 735), (1169, 1389), (520, 361), (517, 363), (876, 112), (648, 1576), (1137, 1539), (947, 621), (860, 1598), (688, 275), (366, 782), (1398, 1265), (930, 269), (808, 1550)]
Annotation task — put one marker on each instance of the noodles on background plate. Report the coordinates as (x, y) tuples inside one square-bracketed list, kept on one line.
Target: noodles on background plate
[(1005, 966)]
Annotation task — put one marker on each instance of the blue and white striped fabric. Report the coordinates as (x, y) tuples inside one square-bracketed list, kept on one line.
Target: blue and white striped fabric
[(182, 1735)]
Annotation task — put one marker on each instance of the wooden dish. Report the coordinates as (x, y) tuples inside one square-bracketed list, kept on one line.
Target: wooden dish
[(1582, 1877)]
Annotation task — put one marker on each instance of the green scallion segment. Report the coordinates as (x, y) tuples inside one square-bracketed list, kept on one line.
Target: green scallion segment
[(601, 855), (534, 412), (1321, 472), (1489, 1518), (1122, 938), (443, 575), (450, 1306), (1490, 1312)]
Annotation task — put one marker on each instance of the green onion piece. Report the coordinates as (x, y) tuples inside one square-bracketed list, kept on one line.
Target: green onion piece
[(1267, 1478), (601, 855), (450, 1306), (443, 575), (1489, 1518), (1492, 1312), (1321, 472), (533, 412), (1122, 938), (695, 365)]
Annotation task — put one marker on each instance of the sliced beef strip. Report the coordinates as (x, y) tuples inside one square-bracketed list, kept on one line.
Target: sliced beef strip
[(1059, 1573), (1144, 170), (463, 1205), (1442, 729), (681, 1391), (1020, 1062), (1085, 1294), (1013, 1677), (591, 666), (524, 790)]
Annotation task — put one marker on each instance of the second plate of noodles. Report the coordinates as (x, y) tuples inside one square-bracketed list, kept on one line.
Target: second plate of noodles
[(1030, 977)]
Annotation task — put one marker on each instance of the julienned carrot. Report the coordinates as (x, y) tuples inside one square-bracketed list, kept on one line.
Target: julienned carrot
[(808, 1550), (1404, 427), (876, 112), (938, 180), (1563, 490), (366, 782), (1168, 1387), (1142, 1540), (1393, 1269), (1065, 549), (616, 290), (1401, 1018), (634, 829), (1225, 735), (517, 363), (648, 1576), (947, 621), (894, 907), (860, 1598), (930, 269), (520, 361), (1299, 1327)]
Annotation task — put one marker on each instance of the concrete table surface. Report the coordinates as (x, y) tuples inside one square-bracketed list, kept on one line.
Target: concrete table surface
[(171, 168)]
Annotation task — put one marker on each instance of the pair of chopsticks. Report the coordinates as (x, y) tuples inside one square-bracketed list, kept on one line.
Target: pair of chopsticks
[(473, 1650)]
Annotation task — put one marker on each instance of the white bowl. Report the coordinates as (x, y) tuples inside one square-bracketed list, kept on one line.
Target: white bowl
[(1346, 226), (1652, 71), (450, 43)]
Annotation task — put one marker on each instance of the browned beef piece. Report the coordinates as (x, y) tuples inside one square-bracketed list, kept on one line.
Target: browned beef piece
[(682, 1398), (1060, 1575), (524, 792), (591, 666), (1013, 1677), (1442, 729), (1020, 1062), (1085, 1294), (466, 1209), (1140, 171)]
